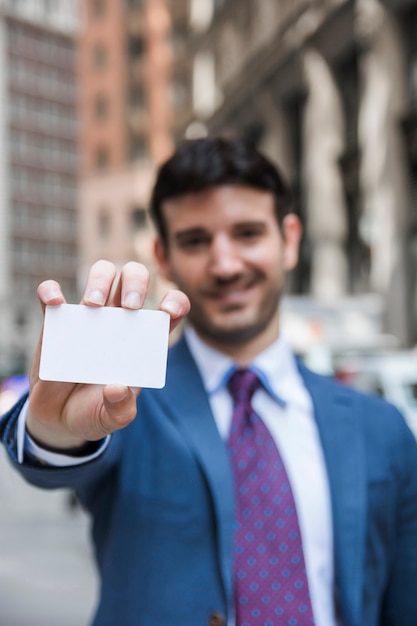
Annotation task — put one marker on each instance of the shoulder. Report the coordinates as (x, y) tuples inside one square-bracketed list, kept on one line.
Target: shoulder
[(372, 408), (382, 424)]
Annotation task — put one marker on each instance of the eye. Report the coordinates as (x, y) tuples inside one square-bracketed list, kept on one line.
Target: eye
[(193, 241), (250, 231)]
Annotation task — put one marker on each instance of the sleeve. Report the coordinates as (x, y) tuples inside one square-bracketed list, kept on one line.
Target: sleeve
[(27, 447), (401, 597), (42, 473)]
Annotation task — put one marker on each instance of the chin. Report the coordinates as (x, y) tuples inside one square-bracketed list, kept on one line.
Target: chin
[(231, 332), (236, 325)]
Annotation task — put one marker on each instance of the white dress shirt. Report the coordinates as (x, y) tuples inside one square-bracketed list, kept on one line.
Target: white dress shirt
[(286, 408)]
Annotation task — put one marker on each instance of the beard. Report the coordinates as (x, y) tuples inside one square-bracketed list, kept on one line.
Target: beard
[(234, 324)]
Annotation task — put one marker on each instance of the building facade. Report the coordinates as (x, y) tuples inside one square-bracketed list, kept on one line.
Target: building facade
[(38, 165), (327, 89), (135, 100)]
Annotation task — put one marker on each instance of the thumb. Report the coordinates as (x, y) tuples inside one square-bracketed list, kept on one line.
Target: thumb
[(119, 407)]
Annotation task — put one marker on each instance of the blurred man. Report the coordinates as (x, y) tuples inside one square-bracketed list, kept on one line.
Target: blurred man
[(249, 490)]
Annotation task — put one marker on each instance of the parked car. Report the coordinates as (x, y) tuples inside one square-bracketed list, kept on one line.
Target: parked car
[(391, 375)]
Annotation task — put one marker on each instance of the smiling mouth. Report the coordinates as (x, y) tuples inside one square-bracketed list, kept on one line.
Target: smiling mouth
[(231, 293)]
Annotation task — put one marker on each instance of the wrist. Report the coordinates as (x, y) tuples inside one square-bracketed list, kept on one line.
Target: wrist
[(53, 438), (86, 448)]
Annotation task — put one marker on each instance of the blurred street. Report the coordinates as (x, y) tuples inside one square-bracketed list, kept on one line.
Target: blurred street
[(47, 576)]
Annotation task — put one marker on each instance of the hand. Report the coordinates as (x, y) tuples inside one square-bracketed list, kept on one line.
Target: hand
[(67, 415)]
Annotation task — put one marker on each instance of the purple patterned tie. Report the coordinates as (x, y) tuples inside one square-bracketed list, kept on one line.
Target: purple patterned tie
[(270, 579)]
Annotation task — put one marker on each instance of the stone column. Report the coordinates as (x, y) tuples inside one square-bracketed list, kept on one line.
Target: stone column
[(275, 142), (323, 141), (383, 166)]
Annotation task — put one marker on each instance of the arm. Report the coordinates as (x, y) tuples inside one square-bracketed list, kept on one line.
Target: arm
[(65, 473), (26, 446)]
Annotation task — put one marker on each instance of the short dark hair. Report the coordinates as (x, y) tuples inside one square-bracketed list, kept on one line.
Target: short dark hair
[(199, 164)]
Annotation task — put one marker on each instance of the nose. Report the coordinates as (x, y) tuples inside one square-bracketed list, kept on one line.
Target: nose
[(225, 258)]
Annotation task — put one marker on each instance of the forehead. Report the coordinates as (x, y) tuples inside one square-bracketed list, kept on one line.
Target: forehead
[(218, 206)]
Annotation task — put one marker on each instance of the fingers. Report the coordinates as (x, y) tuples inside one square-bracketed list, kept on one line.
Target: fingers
[(134, 283), (129, 290), (119, 408), (99, 283), (104, 286), (49, 292), (177, 304)]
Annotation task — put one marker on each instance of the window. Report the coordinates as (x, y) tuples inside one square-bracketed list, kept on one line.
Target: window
[(49, 5), (104, 223), (136, 47), (102, 158), (98, 8), (135, 4), (179, 39), (138, 148), (100, 57), (101, 107), (180, 91), (21, 319), (413, 80), (137, 96), (139, 219), (219, 4)]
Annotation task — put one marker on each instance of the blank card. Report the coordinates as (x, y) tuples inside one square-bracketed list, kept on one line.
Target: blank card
[(104, 345)]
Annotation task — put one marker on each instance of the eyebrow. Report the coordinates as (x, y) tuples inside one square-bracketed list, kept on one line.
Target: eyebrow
[(181, 235), (251, 224)]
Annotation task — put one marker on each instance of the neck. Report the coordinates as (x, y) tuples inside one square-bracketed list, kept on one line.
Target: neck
[(244, 353)]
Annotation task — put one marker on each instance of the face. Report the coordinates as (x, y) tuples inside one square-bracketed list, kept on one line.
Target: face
[(226, 251)]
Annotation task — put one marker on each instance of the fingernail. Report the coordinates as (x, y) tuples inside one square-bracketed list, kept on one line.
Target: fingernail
[(132, 300), (52, 295), (172, 306), (96, 297), (117, 394)]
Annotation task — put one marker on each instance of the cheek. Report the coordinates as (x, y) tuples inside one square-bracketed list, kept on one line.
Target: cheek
[(267, 258), (190, 274)]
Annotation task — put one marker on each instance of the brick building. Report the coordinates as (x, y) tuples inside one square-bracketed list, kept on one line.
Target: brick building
[(134, 102)]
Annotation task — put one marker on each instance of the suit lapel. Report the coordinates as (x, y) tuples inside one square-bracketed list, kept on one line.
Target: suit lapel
[(338, 417), (192, 413)]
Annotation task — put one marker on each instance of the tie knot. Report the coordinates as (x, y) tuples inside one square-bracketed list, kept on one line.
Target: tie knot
[(242, 384)]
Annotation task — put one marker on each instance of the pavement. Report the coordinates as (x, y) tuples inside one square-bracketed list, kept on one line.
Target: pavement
[(47, 573)]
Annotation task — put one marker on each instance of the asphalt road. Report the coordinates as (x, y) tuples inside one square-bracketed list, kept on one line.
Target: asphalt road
[(47, 574)]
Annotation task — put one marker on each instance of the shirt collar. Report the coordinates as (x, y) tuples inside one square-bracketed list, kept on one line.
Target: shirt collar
[(275, 366)]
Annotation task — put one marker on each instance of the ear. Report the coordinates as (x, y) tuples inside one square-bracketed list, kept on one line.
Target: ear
[(291, 231), (161, 256)]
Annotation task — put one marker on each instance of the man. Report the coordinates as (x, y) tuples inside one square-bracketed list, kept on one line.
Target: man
[(249, 490)]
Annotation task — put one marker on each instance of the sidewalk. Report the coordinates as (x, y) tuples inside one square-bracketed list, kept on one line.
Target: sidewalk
[(47, 575)]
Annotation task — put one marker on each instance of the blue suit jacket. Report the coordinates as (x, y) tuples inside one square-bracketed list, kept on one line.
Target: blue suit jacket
[(161, 499)]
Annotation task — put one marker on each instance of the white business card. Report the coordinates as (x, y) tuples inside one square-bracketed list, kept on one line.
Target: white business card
[(104, 345)]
